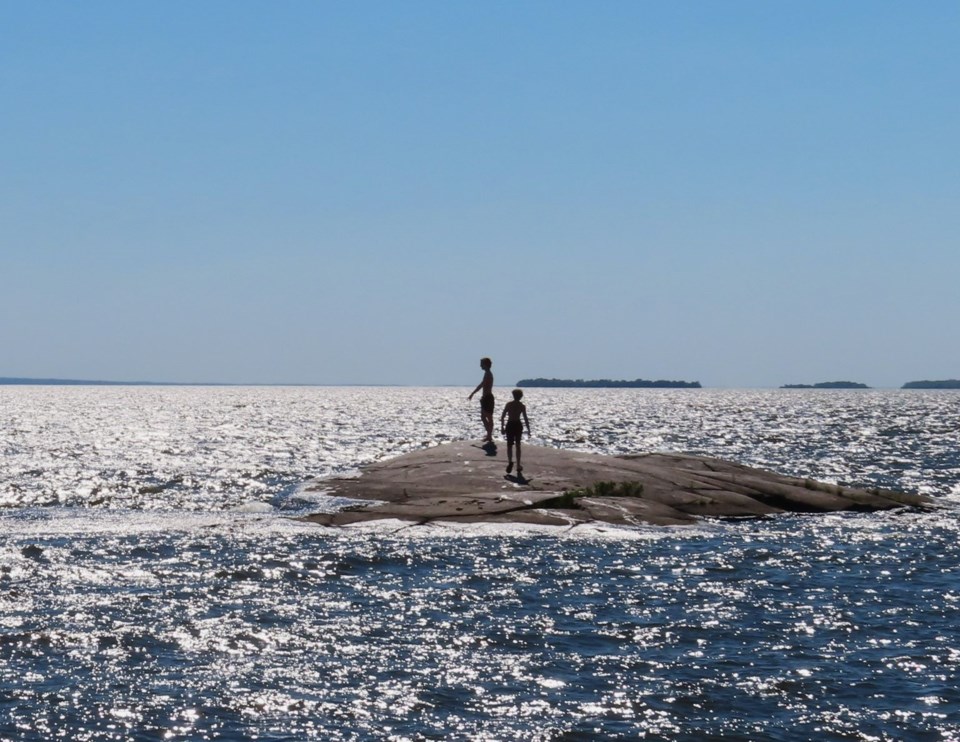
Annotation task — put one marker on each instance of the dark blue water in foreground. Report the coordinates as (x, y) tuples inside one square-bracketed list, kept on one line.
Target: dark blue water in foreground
[(792, 630), (122, 623)]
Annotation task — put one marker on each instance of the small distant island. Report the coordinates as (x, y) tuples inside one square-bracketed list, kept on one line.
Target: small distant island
[(609, 384), (828, 385), (942, 384)]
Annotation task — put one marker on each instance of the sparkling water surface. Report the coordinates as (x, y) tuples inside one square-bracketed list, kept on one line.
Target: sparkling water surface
[(155, 584)]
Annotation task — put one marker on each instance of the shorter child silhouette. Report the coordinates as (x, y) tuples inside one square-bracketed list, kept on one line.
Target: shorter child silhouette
[(512, 426)]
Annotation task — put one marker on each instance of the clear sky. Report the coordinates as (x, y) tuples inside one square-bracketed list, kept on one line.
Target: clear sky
[(740, 193)]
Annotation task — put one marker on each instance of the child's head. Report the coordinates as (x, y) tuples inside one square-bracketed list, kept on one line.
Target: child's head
[(485, 363), (517, 394)]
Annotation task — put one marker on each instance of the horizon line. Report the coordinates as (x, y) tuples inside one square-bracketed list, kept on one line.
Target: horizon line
[(43, 381), (52, 381)]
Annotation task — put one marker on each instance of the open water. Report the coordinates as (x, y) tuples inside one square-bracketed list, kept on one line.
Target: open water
[(155, 586)]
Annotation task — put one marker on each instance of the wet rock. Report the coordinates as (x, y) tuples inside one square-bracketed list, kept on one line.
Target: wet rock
[(32, 551)]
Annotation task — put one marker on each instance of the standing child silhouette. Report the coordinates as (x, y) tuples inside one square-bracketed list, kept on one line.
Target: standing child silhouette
[(486, 399), (512, 425)]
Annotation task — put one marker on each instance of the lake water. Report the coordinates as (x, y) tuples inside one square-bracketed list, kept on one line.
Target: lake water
[(156, 586)]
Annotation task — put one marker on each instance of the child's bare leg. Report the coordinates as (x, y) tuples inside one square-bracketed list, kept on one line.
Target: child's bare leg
[(487, 420), (519, 468), (510, 457)]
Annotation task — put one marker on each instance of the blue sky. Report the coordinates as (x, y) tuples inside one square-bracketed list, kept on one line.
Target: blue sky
[(741, 193)]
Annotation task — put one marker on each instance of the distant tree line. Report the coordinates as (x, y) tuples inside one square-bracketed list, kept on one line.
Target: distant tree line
[(828, 385), (610, 383), (942, 384)]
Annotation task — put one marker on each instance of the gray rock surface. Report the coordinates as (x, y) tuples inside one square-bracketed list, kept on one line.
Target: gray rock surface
[(462, 482)]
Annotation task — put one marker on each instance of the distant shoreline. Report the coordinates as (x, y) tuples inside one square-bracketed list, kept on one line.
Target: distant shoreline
[(948, 384), (942, 384), (18, 381), (828, 385), (22, 381)]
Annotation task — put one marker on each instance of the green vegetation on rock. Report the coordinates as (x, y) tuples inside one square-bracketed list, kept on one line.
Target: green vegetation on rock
[(602, 489)]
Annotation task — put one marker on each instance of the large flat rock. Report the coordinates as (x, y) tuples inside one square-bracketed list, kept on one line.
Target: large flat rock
[(463, 482)]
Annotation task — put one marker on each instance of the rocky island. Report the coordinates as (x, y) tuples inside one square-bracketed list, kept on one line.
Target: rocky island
[(608, 384), (464, 483)]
